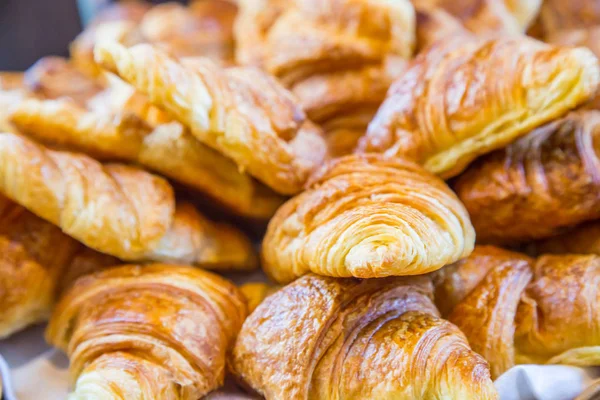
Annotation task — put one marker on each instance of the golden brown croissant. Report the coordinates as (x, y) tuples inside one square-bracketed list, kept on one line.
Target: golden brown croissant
[(489, 16), (37, 261), (465, 97), (537, 186), (241, 112), (122, 125), (336, 56), (325, 338), (116, 209), (517, 310), (367, 217), (153, 332)]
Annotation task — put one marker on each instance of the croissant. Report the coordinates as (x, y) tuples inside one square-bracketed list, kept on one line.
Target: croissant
[(153, 332), (116, 209), (121, 125), (38, 261), (242, 113), (325, 338), (514, 309), (465, 97), (537, 186), (334, 55), (366, 216), (489, 16)]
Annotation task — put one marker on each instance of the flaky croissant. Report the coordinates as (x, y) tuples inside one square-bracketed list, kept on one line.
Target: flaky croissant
[(336, 56), (116, 209), (465, 97), (326, 338), (122, 125), (152, 332), (37, 261), (537, 186), (242, 113), (367, 217), (517, 310)]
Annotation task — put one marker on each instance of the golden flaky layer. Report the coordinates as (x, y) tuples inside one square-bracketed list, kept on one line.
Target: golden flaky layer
[(465, 97), (241, 112), (334, 55), (37, 261), (489, 16), (514, 309), (537, 186), (120, 124), (367, 217), (116, 209), (152, 332), (326, 338)]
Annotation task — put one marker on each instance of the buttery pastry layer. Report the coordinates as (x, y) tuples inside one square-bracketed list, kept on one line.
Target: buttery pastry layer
[(514, 309), (151, 332), (326, 338), (367, 217), (467, 96)]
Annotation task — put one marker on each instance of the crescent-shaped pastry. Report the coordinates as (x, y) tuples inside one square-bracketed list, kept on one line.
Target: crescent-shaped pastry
[(537, 186), (336, 56), (242, 113), (465, 97), (366, 216), (326, 338), (516, 310), (152, 332), (122, 125), (37, 261), (116, 209)]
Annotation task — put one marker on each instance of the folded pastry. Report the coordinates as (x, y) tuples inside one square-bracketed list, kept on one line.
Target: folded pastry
[(465, 97), (336, 56), (120, 124), (325, 338), (37, 262), (516, 310), (153, 332), (55, 77), (367, 217), (489, 16), (241, 112), (537, 186), (256, 292), (116, 209)]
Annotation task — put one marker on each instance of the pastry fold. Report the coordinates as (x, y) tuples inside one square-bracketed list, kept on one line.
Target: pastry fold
[(464, 97), (241, 112), (116, 209), (336, 56), (538, 185), (515, 310), (366, 216), (151, 332), (120, 124), (37, 262), (326, 338)]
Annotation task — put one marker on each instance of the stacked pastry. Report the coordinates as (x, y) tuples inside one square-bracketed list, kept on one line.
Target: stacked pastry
[(336, 134)]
